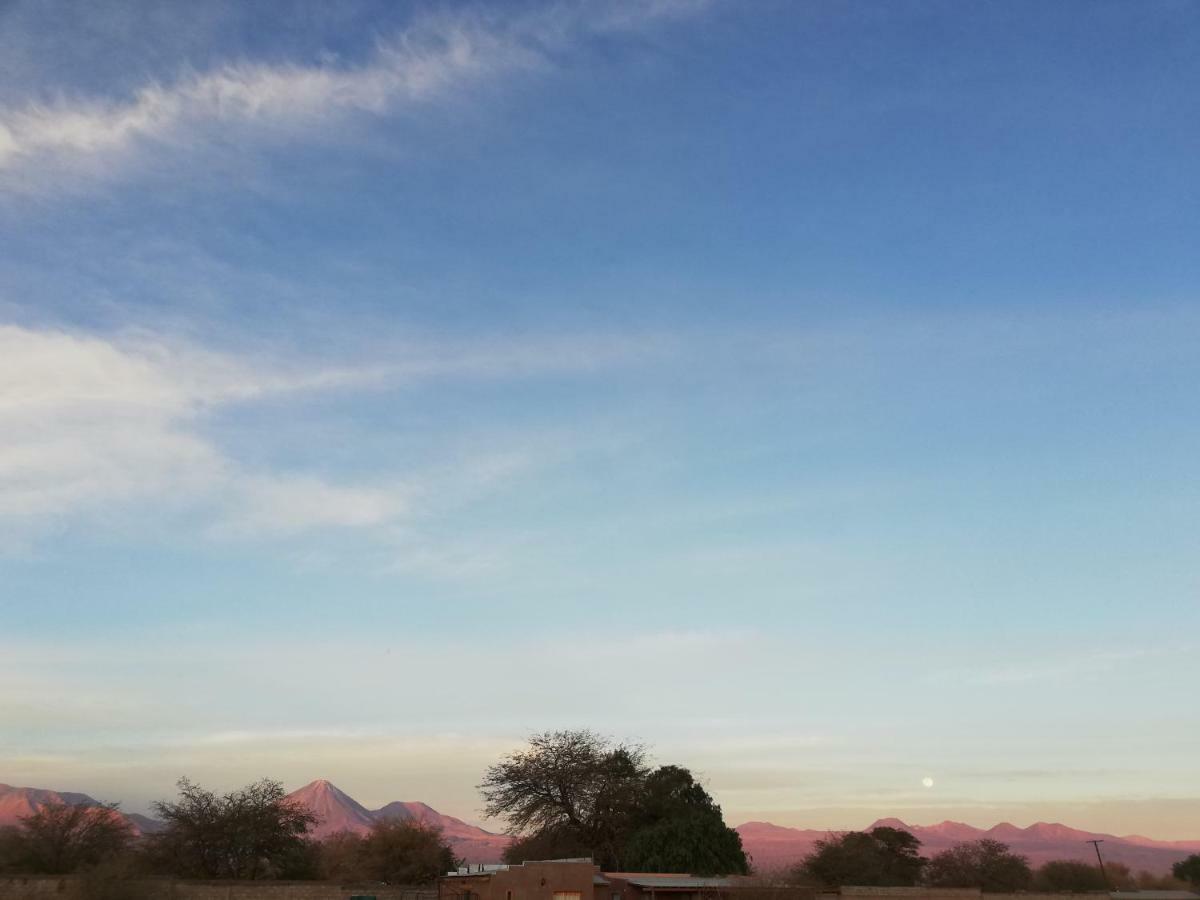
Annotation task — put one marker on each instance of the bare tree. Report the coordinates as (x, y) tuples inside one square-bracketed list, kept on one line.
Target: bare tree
[(60, 838)]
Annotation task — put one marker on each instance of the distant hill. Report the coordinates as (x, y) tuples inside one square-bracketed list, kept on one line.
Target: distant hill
[(770, 846), (338, 811), (774, 847), (19, 802)]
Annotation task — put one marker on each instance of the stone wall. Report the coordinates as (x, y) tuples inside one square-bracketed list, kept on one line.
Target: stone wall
[(73, 888)]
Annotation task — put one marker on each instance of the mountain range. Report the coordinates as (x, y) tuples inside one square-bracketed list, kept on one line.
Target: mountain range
[(770, 846), (338, 811), (774, 846), (18, 802)]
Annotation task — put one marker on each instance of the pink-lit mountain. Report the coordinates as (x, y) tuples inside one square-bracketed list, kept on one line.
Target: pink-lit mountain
[(771, 846), (338, 811), (774, 847), (18, 802)]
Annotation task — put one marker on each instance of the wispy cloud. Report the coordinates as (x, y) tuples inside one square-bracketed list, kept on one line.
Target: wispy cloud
[(100, 422), (437, 54)]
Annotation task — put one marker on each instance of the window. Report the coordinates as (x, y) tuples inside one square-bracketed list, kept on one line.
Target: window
[(567, 895)]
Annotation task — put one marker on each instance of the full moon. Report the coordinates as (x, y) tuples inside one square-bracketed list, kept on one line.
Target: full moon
[(927, 781)]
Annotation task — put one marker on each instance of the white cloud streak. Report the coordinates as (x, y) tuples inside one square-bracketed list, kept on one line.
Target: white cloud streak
[(94, 424), (437, 54)]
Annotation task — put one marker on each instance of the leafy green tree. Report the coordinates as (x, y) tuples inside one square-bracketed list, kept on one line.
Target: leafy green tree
[(882, 856), (254, 832), (986, 864), (62, 838), (1188, 870), (679, 828), (576, 793), (1069, 875)]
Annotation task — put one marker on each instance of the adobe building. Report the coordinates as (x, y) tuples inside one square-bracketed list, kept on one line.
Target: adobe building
[(555, 879), (574, 879)]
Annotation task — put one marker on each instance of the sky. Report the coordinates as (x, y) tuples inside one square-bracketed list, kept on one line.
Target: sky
[(804, 389)]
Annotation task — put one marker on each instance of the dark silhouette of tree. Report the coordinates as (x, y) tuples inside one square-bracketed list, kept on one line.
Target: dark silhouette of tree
[(575, 782), (986, 864), (12, 849), (1069, 875), (1188, 870), (555, 842), (341, 857), (254, 832), (397, 851), (406, 852), (62, 838), (679, 828), (577, 793), (883, 856)]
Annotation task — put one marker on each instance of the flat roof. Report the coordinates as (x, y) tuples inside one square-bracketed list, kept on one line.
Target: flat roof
[(676, 882)]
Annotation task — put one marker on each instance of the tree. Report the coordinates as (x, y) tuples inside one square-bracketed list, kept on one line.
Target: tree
[(62, 838), (12, 849), (882, 856), (250, 833), (1188, 870), (567, 782), (1069, 875), (679, 828), (555, 842), (985, 864), (576, 793), (406, 852), (397, 851), (341, 857)]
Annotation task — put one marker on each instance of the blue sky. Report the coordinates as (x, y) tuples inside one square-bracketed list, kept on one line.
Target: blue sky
[(807, 389)]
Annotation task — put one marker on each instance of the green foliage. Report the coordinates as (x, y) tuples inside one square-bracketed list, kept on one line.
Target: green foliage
[(60, 838), (699, 845), (1069, 875), (880, 857), (1188, 870), (985, 864), (576, 793), (677, 827), (255, 832)]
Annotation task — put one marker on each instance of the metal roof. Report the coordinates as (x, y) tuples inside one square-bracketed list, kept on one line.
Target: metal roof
[(678, 882)]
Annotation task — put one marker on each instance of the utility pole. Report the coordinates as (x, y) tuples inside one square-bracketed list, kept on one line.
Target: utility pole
[(1100, 859)]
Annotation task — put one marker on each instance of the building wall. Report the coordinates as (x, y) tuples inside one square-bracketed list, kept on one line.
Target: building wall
[(531, 881)]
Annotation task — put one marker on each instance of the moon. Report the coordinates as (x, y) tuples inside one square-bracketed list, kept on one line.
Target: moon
[(927, 781)]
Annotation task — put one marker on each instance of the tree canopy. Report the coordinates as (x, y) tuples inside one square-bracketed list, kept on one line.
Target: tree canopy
[(1069, 875), (883, 856), (62, 838), (400, 852), (254, 832), (985, 864), (1188, 870), (573, 793)]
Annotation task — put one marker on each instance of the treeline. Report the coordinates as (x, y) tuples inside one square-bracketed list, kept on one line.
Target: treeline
[(252, 833), (578, 793), (887, 856)]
